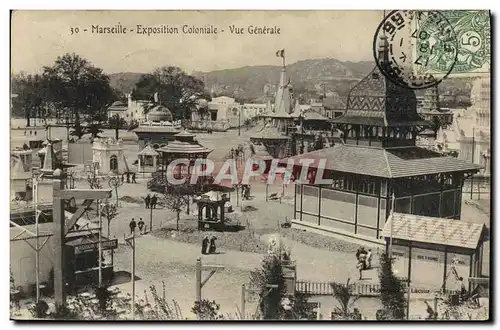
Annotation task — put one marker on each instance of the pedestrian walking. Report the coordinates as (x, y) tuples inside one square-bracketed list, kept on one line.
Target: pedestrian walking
[(369, 257), (154, 200), (212, 245), (128, 177), (132, 226), (133, 178), (204, 245), (123, 178), (147, 200), (363, 257), (140, 224)]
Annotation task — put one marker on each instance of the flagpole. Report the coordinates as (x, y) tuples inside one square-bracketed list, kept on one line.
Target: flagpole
[(392, 225)]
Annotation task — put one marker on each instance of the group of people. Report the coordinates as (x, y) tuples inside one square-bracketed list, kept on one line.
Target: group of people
[(133, 225), (235, 152), (31, 133), (364, 259), (208, 245), (129, 177), (151, 201)]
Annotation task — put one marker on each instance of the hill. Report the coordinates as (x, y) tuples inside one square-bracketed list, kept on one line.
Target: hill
[(124, 82), (252, 82), (310, 78)]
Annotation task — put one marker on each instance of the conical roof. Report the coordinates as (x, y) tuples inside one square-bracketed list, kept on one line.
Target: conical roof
[(283, 103), (48, 160)]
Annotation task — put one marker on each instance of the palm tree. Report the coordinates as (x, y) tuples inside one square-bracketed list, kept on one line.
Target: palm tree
[(345, 299)]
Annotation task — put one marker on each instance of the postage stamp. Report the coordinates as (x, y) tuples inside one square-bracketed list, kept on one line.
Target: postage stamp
[(473, 35), (409, 45)]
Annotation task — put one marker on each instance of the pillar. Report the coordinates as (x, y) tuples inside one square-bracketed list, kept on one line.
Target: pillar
[(139, 164), (58, 238), (154, 162)]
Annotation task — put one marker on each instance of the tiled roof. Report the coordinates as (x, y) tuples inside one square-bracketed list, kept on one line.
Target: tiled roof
[(388, 163), (419, 161), (350, 159), (440, 231)]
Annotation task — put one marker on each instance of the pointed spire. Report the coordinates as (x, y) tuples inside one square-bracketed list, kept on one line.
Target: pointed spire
[(48, 159)]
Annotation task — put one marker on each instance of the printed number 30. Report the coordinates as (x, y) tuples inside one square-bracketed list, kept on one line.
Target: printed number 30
[(74, 30)]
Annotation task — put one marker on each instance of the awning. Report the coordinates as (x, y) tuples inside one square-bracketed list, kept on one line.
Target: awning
[(439, 231)]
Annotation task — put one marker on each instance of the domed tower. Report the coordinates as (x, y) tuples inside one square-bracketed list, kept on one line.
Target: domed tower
[(160, 113)]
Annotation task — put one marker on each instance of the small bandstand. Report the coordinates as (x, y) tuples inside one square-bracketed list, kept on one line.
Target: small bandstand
[(183, 147)]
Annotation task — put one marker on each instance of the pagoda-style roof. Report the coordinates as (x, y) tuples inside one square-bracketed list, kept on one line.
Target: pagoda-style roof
[(377, 101), (387, 163), (184, 143), (269, 132), (148, 151), (439, 231)]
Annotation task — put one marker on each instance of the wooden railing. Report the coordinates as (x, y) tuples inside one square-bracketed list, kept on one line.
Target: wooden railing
[(358, 289)]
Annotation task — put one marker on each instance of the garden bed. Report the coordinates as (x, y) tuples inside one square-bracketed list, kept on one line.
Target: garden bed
[(244, 240), (318, 241)]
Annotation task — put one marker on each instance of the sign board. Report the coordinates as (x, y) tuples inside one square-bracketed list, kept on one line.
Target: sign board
[(428, 255), (106, 245)]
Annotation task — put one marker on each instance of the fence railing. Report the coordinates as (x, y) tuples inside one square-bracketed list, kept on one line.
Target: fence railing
[(358, 289)]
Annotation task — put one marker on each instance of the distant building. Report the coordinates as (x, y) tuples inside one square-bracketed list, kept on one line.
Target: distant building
[(225, 108), (470, 134), (431, 110), (134, 110), (333, 106)]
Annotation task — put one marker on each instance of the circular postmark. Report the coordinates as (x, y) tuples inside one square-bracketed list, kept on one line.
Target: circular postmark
[(415, 49)]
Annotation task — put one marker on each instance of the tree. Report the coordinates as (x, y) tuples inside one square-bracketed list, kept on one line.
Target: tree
[(270, 273), (114, 183), (176, 197), (93, 180), (32, 98), (75, 84), (207, 310), (392, 291), (345, 298), (117, 123), (109, 211), (270, 284), (177, 91)]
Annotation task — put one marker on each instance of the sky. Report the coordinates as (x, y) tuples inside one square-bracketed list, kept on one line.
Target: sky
[(38, 37)]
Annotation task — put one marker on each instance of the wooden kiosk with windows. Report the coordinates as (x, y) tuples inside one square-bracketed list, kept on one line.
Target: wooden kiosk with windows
[(423, 247), (377, 159)]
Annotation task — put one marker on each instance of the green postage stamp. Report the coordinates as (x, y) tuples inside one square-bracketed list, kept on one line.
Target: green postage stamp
[(472, 34)]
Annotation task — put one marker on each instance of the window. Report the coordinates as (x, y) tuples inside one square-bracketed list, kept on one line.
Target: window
[(113, 163)]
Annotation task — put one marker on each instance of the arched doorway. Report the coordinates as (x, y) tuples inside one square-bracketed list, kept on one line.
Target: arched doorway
[(113, 163)]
